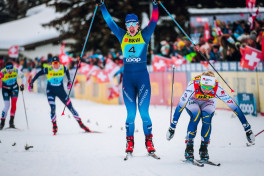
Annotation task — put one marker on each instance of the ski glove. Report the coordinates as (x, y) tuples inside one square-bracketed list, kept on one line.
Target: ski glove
[(250, 136), (100, 2), (69, 84), (22, 87), (30, 86), (170, 133)]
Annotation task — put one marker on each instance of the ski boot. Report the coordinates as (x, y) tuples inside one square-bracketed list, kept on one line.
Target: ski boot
[(203, 151), (2, 124), (55, 128), (130, 144), (189, 150), (149, 144), (11, 122), (85, 128)]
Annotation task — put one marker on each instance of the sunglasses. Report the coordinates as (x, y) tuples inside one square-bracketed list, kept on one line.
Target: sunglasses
[(55, 63), (9, 68), (131, 24), (207, 87)]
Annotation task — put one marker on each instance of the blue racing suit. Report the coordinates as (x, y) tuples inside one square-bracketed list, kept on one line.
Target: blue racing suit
[(136, 83), (55, 89)]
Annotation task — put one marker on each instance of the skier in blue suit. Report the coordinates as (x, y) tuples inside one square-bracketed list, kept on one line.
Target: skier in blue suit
[(136, 83)]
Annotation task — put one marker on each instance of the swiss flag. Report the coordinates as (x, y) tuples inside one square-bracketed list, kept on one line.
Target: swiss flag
[(178, 61), (160, 63), (252, 19), (205, 64), (251, 4), (250, 58), (64, 58), (110, 67), (85, 68), (217, 29), (101, 76), (206, 32), (13, 51)]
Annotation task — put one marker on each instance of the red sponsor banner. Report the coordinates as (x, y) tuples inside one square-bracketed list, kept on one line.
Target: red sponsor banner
[(160, 63), (250, 58), (161, 84), (205, 64), (13, 51)]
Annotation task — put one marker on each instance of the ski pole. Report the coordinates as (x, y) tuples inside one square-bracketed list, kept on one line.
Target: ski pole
[(194, 44), (25, 108), (259, 133), (172, 86), (89, 30)]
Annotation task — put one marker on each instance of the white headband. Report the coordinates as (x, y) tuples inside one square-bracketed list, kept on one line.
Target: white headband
[(208, 80)]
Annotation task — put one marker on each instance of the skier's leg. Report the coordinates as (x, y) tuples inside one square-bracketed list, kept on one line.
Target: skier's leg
[(194, 111), (6, 97), (144, 94), (208, 109), (67, 101), (51, 100), (14, 96), (129, 96)]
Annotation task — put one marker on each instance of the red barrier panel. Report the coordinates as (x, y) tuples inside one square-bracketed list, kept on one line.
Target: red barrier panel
[(161, 87)]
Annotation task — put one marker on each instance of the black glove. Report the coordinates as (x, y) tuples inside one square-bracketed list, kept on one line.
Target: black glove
[(100, 2), (69, 84), (155, 2), (170, 133), (250, 136), (22, 87)]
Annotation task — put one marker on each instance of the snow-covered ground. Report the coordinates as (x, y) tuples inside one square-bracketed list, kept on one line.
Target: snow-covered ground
[(75, 153)]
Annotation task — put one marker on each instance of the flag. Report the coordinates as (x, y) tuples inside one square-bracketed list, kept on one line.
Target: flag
[(206, 32), (13, 51), (64, 58), (160, 63), (250, 4), (111, 68), (101, 76), (217, 29), (178, 60), (262, 46), (252, 19), (205, 64), (85, 68), (250, 58)]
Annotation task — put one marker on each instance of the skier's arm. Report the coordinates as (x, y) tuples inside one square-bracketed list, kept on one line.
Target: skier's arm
[(40, 73), (119, 33), (188, 93), (147, 31), (22, 76), (121, 70), (223, 95)]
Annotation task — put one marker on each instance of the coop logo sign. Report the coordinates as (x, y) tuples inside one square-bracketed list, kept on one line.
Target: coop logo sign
[(137, 59)]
